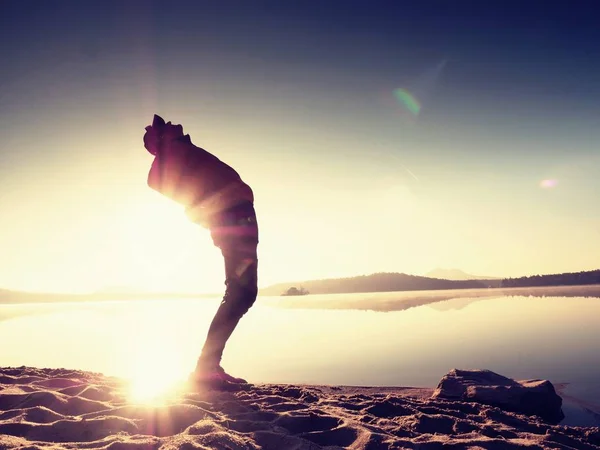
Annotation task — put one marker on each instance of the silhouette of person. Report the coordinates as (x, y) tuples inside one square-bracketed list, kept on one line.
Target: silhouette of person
[(216, 198)]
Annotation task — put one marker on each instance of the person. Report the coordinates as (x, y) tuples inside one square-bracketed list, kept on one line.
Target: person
[(216, 198)]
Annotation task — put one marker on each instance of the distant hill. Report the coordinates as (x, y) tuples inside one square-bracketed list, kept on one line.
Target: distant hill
[(8, 296), (378, 282), (559, 279), (390, 282), (455, 274)]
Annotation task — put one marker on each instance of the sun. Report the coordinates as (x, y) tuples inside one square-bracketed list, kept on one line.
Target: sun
[(156, 373), (154, 391), (155, 387)]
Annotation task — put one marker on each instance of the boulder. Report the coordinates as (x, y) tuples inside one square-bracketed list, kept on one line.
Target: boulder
[(530, 397)]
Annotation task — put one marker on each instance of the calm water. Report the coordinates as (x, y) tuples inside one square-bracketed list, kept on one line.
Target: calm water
[(288, 341)]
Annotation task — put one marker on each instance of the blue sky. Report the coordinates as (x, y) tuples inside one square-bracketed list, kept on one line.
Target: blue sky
[(299, 98)]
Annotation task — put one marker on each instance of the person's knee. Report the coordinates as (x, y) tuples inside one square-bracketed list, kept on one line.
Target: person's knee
[(247, 298), (240, 298), (251, 294)]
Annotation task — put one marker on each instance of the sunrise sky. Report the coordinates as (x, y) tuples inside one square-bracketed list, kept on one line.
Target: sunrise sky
[(377, 136)]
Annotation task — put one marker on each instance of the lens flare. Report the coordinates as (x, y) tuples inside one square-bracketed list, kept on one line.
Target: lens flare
[(549, 183), (408, 101)]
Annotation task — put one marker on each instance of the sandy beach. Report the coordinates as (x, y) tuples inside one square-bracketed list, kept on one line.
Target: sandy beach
[(66, 409)]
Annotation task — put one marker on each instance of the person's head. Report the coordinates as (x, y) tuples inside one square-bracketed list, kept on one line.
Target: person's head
[(159, 133)]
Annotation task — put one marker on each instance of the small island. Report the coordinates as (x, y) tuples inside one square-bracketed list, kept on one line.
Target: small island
[(294, 291)]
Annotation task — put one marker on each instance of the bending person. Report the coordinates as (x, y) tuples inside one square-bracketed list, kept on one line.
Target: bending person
[(216, 198)]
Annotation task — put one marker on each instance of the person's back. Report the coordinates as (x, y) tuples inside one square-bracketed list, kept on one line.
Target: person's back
[(190, 175), (215, 197)]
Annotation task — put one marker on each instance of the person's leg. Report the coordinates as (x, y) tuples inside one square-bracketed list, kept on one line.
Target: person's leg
[(240, 295), (237, 236)]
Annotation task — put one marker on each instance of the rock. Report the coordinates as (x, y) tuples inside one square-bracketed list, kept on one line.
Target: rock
[(530, 397)]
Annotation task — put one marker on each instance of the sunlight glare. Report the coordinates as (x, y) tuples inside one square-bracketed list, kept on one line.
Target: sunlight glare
[(156, 374), (164, 251), (155, 385), (548, 184)]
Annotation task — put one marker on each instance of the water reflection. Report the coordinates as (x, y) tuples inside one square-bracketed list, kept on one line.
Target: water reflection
[(16, 305), (444, 299)]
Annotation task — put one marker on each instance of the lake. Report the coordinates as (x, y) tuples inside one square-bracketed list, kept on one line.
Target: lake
[(383, 339)]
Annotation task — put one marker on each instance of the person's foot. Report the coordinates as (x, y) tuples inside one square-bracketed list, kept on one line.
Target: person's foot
[(214, 374)]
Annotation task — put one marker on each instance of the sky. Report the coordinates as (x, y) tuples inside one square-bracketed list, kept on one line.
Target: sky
[(378, 136)]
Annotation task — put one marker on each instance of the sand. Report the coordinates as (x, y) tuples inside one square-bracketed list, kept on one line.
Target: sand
[(66, 409)]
